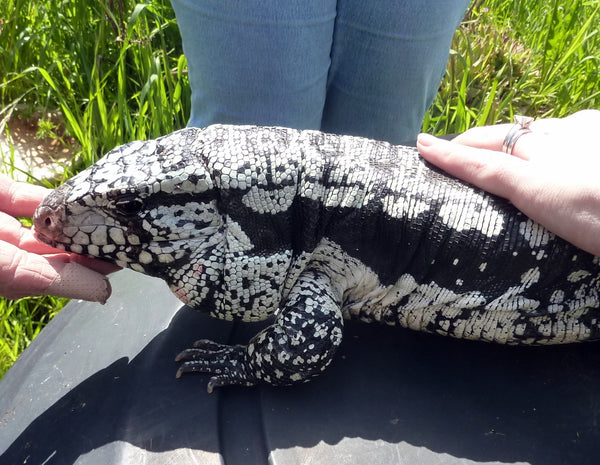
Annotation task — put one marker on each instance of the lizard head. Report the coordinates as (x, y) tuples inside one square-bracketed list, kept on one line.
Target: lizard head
[(145, 206)]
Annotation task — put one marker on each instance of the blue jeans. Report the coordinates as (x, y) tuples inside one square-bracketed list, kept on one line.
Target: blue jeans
[(368, 68)]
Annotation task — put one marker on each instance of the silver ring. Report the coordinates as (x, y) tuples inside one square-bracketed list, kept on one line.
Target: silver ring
[(520, 127)]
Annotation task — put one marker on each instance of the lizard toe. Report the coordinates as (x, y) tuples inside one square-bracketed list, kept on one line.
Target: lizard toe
[(227, 363)]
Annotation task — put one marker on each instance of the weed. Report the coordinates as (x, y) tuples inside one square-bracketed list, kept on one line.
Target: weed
[(537, 58)]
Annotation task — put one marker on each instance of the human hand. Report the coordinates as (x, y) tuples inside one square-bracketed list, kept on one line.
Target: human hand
[(552, 175), (29, 267)]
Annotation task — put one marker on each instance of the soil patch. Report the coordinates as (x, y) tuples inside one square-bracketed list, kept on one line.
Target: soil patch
[(22, 151)]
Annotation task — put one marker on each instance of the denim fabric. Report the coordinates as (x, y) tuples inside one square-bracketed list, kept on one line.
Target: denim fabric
[(368, 68)]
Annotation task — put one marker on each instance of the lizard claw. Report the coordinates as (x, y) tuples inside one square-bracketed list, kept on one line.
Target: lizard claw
[(208, 344), (227, 363), (204, 349)]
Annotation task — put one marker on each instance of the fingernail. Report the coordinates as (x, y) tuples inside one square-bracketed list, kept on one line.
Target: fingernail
[(426, 139), (78, 282)]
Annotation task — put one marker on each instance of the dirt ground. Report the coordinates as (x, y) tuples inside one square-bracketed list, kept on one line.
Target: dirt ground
[(43, 158)]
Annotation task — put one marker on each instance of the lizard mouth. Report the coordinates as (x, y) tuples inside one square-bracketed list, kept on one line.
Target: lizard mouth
[(49, 241)]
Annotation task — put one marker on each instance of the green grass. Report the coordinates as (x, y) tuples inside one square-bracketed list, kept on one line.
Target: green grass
[(540, 58), (115, 70), (21, 321)]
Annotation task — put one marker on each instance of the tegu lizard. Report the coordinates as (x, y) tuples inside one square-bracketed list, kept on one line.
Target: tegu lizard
[(312, 228)]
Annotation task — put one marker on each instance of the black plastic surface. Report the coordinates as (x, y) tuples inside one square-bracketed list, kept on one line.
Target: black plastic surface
[(98, 387)]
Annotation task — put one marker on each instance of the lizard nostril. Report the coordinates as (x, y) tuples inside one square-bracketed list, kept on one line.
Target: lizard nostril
[(43, 219)]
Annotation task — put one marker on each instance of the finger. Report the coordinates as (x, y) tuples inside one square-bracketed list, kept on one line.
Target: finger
[(492, 138), (13, 231), (490, 170), (484, 137), (586, 118), (547, 126), (95, 264), (78, 282), (19, 198), (24, 274)]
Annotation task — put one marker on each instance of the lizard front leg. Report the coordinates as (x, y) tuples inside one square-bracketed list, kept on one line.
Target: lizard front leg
[(299, 345)]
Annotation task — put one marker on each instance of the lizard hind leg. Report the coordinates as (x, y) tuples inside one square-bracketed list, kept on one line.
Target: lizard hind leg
[(299, 345)]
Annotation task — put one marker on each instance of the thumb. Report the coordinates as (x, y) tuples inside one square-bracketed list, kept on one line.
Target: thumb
[(75, 281), (25, 274)]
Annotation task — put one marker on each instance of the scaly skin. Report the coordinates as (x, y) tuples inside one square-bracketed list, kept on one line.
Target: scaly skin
[(314, 228)]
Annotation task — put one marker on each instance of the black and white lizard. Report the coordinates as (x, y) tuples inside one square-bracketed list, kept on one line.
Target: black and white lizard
[(314, 228)]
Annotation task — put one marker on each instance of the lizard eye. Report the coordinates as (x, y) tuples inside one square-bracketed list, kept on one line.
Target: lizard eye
[(128, 205)]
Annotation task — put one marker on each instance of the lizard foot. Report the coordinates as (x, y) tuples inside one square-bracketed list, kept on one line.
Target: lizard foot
[(226, 363), (298, 346)]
